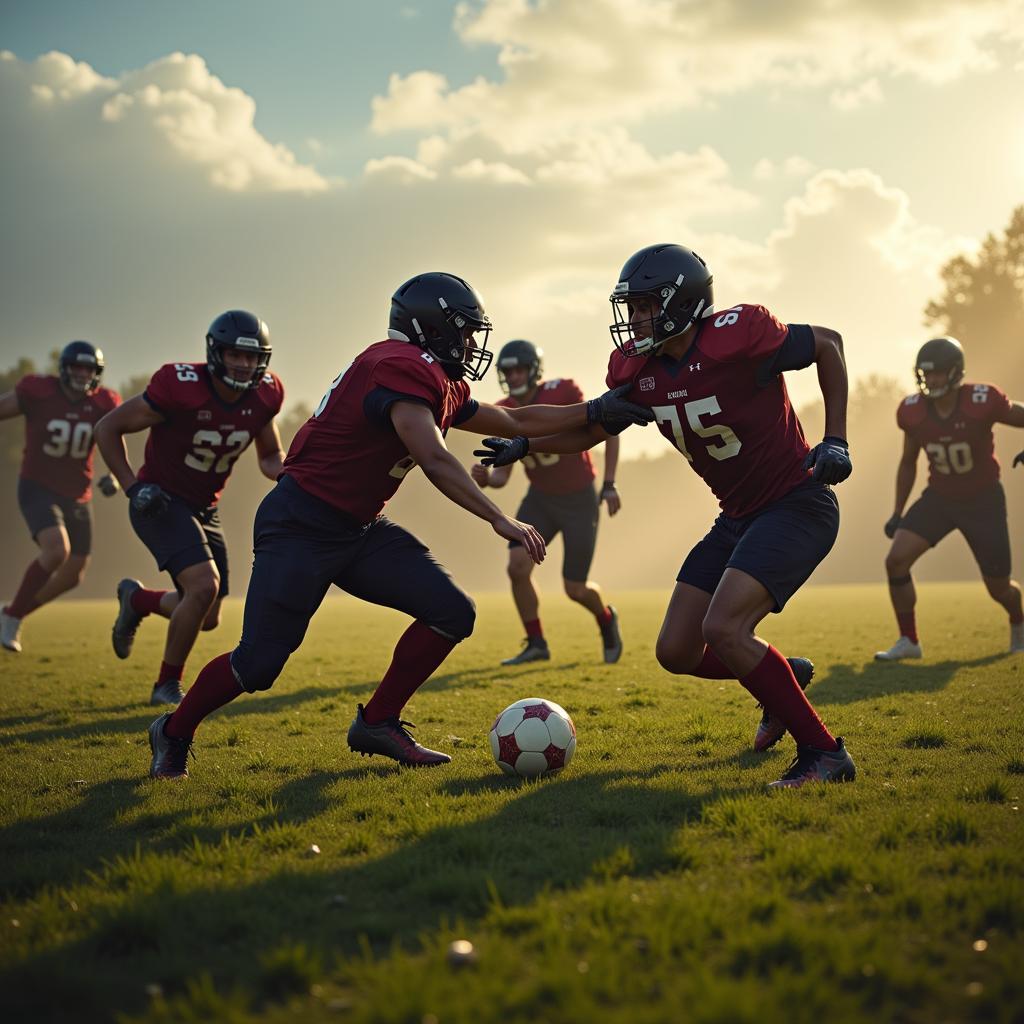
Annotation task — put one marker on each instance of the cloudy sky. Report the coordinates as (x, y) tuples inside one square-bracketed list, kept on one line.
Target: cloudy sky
[(163, 162)]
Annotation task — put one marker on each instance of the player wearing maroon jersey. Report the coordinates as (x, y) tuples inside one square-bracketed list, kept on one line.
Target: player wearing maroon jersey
[(714, 383), (952, 421), (560, 499), (55, 483), (321, 526), (200, 417)]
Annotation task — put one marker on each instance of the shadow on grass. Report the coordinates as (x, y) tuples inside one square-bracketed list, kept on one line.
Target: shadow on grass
[(848, 683), (556, 835)]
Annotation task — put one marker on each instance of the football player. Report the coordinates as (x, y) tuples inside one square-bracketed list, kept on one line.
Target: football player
[(560, 499), (385, 413), (200, 418), (55, 483), (713, 381), (952, 421)]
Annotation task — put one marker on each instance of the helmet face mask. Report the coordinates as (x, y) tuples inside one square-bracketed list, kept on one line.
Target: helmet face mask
[(240, 331), (443, 315), (671, 282), (81, 353), (939, 356), (519, 353)]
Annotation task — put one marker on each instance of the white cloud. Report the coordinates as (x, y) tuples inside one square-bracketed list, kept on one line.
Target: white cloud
[(498, 173), (863, 95), (791, 167), (398, 169)]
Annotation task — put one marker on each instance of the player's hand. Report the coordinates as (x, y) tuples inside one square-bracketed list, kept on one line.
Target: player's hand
[(1018, 460), (612, 409), (481, 474), (521, 533), (108, 485), (501, 451), (150, 500), (892, 524), (830, 461), (610, 496)]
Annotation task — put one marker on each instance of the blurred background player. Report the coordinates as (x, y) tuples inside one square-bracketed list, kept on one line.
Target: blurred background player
[(952, 421), (560, 499), (385, 414), (714, 384), (200, 417), (55, 482)]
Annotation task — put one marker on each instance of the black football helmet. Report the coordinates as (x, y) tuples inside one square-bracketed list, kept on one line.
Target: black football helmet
[(81, 353), (939, 354), (520, 353), (680, 283), (433, 311), (246, 332)]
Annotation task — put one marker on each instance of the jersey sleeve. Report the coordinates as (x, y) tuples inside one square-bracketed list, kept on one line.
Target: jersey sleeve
[(274, 396), (622, 369), (997, 404), (400, 380), (568, 392), (29, 390), (162, 391), (746, 332), (111, 399), (908, 412)]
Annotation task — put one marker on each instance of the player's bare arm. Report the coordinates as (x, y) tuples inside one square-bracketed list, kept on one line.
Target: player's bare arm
[(906, 474), (830, 460), (414, 424), (484, 477), (609, 492), (134, 415), (499, 451), (269, 452), (9, 407)]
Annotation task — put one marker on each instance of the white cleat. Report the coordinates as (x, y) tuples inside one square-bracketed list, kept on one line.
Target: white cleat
[(1017, 637), (10, 632), (903, 648)]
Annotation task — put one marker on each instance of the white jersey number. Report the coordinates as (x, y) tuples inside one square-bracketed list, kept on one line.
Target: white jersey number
[(65, 439), (204, 458), (951, 458), (728, 445)]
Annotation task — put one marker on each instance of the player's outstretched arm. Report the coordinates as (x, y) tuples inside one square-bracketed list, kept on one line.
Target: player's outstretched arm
[(129, 418), (906, 474), (415, 426), (9, 407), (499, 451), (269, 451), (484, 477)]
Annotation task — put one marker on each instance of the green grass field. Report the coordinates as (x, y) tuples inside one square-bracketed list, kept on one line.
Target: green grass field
[(654, 880)]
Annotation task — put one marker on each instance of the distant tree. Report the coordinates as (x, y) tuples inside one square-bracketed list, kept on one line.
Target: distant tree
[(982, 305)]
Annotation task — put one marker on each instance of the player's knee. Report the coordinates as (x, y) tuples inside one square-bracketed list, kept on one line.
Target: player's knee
[(455, 617), (719, 631), (999, 589), (672, 659), (204, 589), (53, 556), (896, 565), (575, 590), (257, 669), (212, 621), (519, 566)]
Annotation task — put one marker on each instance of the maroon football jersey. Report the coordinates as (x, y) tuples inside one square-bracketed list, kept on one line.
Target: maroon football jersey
[(960, 448), (744, 440), (58, 434), (550, 473), (191, 453), (348, 453)]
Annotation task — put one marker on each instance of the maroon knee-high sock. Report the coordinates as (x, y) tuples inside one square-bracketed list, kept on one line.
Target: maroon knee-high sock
[(712, 667), (214, 687), (147, 602), (772, 682), (418, 653), (31, 583)]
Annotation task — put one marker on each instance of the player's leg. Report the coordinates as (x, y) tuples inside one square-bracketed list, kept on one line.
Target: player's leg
[(219, 549), (925, 523), (578, 521), (78, 528), (532, 510), (395, 569), (66, 578), (198, 585)]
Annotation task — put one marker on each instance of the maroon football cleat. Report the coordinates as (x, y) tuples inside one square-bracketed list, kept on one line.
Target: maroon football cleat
[(771, 728), (813, 765), (392, 739)]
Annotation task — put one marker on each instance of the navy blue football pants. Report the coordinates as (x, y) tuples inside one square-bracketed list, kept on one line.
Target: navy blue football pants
[(302, 547)]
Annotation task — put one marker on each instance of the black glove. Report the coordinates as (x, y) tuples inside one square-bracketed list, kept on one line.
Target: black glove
[(831, 461), (108, 485), (892, 524), (150, 500), (1018, 460), (500, 451), (612, 409)]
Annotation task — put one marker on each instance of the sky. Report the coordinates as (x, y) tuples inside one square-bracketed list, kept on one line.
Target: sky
[(164, 162)]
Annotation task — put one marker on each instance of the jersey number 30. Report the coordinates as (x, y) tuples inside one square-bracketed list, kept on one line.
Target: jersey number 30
[(66, 439)]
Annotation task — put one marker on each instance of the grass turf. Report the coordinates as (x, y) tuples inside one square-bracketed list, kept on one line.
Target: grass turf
[(654, 880)]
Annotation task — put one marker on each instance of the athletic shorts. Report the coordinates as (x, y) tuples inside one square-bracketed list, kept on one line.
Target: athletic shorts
[(43, 508), (183, 537), (981, 518), (780, 545), (574, 516)]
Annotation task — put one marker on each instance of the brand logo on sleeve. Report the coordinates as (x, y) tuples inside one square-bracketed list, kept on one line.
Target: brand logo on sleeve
[(204, 415), (646, 383)]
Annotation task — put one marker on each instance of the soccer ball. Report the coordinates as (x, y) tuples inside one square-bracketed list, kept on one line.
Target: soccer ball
[(533, 737)]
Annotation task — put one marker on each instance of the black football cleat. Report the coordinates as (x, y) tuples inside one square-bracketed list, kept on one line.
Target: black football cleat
[(812, 765), (611, 639), (536, 649), (170, 755), (771, 728), (128, 619), (391, 738), (167, 692)]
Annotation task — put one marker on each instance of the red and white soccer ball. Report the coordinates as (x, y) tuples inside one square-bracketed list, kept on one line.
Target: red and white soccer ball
[(533, 737)]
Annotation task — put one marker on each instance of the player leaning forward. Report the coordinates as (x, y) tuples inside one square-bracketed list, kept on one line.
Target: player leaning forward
[(321, 525), (714, 384)]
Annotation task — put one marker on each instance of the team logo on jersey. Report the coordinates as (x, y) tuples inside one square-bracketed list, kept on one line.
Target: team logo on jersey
[(204, 415), (678, 394), (694, 366), (646, 383)]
